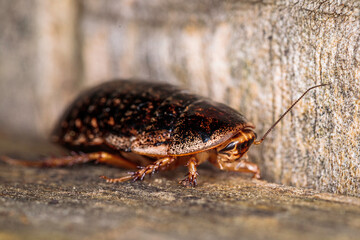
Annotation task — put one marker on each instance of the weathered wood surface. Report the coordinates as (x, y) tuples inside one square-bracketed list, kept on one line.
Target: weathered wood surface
[(257, 56), (73, 203)]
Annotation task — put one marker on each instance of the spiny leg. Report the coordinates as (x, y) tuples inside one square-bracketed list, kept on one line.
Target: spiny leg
[(240, 166), (192, 175), (160, 164), (100, 157)]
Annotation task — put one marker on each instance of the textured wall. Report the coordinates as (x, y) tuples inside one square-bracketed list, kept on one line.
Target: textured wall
[(17, 70), (39, 63), (257, 56)]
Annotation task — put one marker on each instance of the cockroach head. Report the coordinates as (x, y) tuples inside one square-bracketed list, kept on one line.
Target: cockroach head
[(236, 147)]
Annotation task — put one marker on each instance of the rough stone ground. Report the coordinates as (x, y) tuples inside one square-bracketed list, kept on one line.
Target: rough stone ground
[(73, 203)]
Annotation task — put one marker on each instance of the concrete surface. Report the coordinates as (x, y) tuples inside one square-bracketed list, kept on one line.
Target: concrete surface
[(73, 203)]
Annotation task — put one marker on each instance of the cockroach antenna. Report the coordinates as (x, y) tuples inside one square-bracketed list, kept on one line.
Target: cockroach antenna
[(287, 111)]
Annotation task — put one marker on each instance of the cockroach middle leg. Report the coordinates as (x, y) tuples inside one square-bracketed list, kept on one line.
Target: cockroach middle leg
[(78, 158), (160, 164), (192, 175)]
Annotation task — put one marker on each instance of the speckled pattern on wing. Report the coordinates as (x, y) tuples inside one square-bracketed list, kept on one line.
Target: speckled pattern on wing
[(147, 118), (157, 136), (112, 112)]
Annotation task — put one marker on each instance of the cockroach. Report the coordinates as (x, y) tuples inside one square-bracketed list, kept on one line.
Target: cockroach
[(153, 127)]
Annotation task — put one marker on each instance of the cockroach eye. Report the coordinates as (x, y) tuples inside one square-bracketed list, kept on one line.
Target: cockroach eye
[(229, 147)]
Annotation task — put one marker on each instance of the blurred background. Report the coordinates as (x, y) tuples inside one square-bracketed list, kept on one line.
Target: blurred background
[(256, 56), (57, 49)]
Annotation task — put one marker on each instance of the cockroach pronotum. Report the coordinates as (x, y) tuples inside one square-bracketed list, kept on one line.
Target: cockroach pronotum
[(153, 127)]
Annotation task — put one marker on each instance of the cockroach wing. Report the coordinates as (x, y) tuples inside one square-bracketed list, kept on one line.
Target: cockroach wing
[(112, 114), (146, 118), (155, 139)]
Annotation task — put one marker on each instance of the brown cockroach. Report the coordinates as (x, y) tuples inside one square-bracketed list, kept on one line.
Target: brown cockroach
[(154, 126)]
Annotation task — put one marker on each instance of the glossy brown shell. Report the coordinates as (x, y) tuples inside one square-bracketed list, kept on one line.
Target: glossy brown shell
[(153, 119)]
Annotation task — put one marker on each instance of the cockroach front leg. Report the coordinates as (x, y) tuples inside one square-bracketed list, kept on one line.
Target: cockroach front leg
[(192, 175), (99, 157), (160, 164), (239, 166)]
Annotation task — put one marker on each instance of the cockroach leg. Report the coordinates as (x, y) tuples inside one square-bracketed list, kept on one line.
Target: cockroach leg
[(113, 160), (192, 175), (160, 164), (240, 166), (78, 158)]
